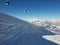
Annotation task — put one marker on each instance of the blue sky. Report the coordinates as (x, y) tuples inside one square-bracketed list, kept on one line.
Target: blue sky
[(35, 8)]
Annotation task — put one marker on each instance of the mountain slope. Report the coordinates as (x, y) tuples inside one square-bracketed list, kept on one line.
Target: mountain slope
[(52, 25), (14, 31)]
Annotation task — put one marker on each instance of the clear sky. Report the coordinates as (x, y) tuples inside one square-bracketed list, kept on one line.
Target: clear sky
[(35, 8)]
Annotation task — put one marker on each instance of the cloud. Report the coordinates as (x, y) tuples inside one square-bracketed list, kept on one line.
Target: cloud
[(40, 21)]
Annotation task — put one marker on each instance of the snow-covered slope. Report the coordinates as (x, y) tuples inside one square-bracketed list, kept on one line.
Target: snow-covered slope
[(54, 38), (15, 31), (52, 25)]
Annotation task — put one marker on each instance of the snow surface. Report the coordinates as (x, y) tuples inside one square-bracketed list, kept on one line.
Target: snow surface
[(52, 25), (54, 38), (14, 31)]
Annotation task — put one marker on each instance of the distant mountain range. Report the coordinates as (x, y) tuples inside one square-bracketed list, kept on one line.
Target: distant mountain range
[(14, 31)]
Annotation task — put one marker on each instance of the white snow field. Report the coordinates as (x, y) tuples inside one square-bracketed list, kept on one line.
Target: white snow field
[(54, 38), (14, 31), (52, 25)]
